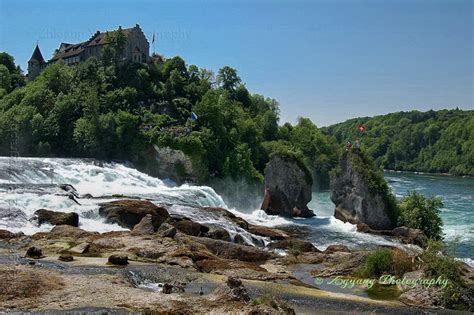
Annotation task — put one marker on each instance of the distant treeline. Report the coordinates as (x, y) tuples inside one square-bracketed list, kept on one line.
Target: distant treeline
[(433, 141)]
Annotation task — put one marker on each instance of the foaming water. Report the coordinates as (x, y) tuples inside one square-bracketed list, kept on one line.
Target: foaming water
[(25, 186)]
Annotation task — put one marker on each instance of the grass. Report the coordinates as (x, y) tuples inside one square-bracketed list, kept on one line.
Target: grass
[(19, 283)]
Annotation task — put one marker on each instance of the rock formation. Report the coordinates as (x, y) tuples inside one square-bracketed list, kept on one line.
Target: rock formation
[(287, 187), (57, 218), (360, 193), (128, 213)]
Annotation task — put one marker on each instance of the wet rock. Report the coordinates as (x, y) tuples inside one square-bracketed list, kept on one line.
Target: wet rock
[(228, 215), (14, 216), (287, 188), (337, 248), (34, 252), (239, 239), (5, 234), (218, 233), (86, 196), (293, 244), (145, 226), (65, 258), (272, 233), (57, 218), (167, 230), (167, 288), (120, 260), (127, 213), (80, 249), (230, 250), (190, 228), (411, 236), (356, 201)]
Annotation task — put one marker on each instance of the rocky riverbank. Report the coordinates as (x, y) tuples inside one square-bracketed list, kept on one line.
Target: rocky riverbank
[(174, 265)]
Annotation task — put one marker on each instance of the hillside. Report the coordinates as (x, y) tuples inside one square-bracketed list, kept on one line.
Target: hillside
[(106, 109), (433, 141)]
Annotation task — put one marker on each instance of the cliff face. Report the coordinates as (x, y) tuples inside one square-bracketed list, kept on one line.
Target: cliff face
[(287, 188), (360, 193)]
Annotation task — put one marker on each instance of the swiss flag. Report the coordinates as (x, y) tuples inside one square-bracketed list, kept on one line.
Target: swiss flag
[(361, 128)]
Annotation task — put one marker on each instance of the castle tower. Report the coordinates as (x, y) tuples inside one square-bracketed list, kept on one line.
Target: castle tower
[(35, 64)]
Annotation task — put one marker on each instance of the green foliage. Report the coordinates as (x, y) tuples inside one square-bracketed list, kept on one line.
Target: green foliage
[(114, 110), (438, 263), (419, 212), (433, 141), (377, 263)]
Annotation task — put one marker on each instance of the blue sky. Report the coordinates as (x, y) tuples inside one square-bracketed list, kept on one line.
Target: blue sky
[(327, 60)]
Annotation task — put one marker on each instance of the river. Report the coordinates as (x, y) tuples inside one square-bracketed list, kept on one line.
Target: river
[(25, 187)]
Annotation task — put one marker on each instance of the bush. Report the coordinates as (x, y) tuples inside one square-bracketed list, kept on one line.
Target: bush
[(377, 263), (419, 212), (438, 264)]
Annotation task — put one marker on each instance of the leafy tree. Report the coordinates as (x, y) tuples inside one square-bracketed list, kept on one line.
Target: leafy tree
[(419, 212), (228, 79)]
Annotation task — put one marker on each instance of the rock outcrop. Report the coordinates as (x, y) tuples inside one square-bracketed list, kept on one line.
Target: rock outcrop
[(287, 187), (57, 218), (360, 193), (127, 213)]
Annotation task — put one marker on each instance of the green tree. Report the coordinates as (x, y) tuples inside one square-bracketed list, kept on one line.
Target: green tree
[(228, 79), (419, 212)]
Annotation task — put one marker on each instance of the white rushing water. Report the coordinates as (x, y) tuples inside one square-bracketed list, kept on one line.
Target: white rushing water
[(25, 186)]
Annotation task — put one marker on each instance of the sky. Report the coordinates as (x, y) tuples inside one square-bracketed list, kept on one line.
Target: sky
[(329, 60)]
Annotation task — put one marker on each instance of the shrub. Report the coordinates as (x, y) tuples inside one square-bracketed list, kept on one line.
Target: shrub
[(377, 263), (419, 212), (437, 264)]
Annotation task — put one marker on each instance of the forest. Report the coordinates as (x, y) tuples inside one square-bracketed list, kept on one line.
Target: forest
[(106, 109), (433, 141)]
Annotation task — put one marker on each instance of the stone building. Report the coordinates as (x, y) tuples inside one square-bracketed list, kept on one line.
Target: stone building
[(137, 49)]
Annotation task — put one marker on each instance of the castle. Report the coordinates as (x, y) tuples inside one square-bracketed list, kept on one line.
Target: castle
[(136, 50)]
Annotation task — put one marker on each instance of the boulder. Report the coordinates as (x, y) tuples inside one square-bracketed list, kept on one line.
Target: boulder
[(239, 239), (360, 193), (57, 218), (237, 290), (128, 213), (34, 252), (120, 260), (293, 244), (189, 227), (80, 249), (337, 248), (228, 250), (167, 230), (287, 187), (5, 234), (272, 233), (69, 231), (218, 233), (145, 226), (411, 236)]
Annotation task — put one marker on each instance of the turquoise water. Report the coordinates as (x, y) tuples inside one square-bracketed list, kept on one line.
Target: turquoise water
[(457, 194)]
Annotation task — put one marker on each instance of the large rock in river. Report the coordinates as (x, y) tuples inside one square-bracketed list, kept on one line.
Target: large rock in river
[(287, 187), (360, 192), (57, 218), (127, 213)]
